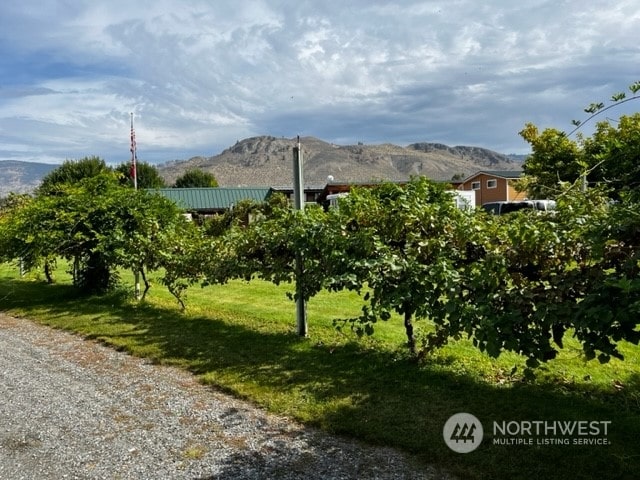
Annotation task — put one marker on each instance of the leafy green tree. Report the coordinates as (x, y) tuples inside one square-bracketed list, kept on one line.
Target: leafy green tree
[(72, 171), (509, 283), (196, 178), (608, 156), (520, 295), (20, 237), (152, 227), (96, 223), (555, 159), (189, 253), (401, 246), (387, 243), (609, 309), (147, 175), (613, 152)]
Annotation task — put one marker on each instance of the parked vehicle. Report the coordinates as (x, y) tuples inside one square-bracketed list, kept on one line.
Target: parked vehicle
[(333, 199), (465, 199), (500, 208)]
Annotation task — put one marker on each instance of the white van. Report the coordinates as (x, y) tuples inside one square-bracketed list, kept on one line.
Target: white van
[(500, 208)]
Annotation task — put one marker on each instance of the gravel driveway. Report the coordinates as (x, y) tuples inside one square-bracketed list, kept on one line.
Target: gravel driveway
[(72, 408)]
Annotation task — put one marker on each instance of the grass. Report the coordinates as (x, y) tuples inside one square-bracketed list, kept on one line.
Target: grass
[(241, 338)]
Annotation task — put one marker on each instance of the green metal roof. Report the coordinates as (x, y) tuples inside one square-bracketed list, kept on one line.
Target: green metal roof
[(220, 198)]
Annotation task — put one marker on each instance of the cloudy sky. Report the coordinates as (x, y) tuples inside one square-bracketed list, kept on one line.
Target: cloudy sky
[(199, 75)]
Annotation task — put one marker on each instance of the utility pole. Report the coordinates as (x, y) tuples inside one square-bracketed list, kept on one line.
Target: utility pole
[(298, 204)]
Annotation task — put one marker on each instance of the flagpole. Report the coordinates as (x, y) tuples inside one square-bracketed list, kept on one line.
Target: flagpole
[(134, 176)]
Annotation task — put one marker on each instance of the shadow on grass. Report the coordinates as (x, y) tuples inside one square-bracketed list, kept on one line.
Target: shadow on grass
[(374, 395)]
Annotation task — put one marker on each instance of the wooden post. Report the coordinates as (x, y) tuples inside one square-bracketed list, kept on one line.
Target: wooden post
[(134, 174), (298, 203)]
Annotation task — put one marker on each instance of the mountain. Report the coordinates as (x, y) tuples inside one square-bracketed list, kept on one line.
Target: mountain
[(21, 177), (268, 161), (518, 158)]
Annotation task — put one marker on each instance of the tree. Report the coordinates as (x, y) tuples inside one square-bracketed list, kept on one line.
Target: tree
[(72, 171), (609, 309), (196, 179), (554, 159), (20, 236), (147, 175), (400, 244), (96, 223), (606, 157), (613, 152)]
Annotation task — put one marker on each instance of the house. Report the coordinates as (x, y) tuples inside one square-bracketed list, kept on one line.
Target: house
[(494, 186), (311, 193), (211, 201), (333, 189)]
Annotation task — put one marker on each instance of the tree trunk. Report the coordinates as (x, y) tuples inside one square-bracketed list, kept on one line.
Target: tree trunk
[(408, 327), (146, 283), (47, 272), (76, 270)]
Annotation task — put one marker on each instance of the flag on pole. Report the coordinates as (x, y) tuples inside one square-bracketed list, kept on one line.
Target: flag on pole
[(134, 156)]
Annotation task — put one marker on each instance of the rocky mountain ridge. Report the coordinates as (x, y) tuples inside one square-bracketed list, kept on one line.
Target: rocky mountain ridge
[(267, 161), (21, 177)]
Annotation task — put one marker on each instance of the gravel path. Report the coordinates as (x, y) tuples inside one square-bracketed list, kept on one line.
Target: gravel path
[(75, 409)]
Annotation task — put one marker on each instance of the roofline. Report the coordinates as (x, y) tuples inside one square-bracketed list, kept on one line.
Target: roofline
[(495, 173)]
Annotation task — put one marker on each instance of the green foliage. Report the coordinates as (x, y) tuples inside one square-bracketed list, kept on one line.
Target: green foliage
[(196, 178), (609, 156), (513, 283), (72, 171), (609, 310), (614, 153), (95, 223), (554, 159), (21, 237), (598, 108), (185, 251), (518, 283), (147, 175), (402, 243)]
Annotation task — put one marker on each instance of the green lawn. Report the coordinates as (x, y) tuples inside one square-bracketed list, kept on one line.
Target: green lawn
[(241, 338)]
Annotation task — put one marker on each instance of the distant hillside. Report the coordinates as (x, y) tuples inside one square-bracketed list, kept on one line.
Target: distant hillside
[(267, 161), (517, 158), (21, 177)]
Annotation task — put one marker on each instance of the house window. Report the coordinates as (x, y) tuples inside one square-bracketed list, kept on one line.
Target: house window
[(493, 183), (475, 185)]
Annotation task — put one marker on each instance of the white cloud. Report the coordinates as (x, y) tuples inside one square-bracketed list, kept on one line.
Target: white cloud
[(199, 75)]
